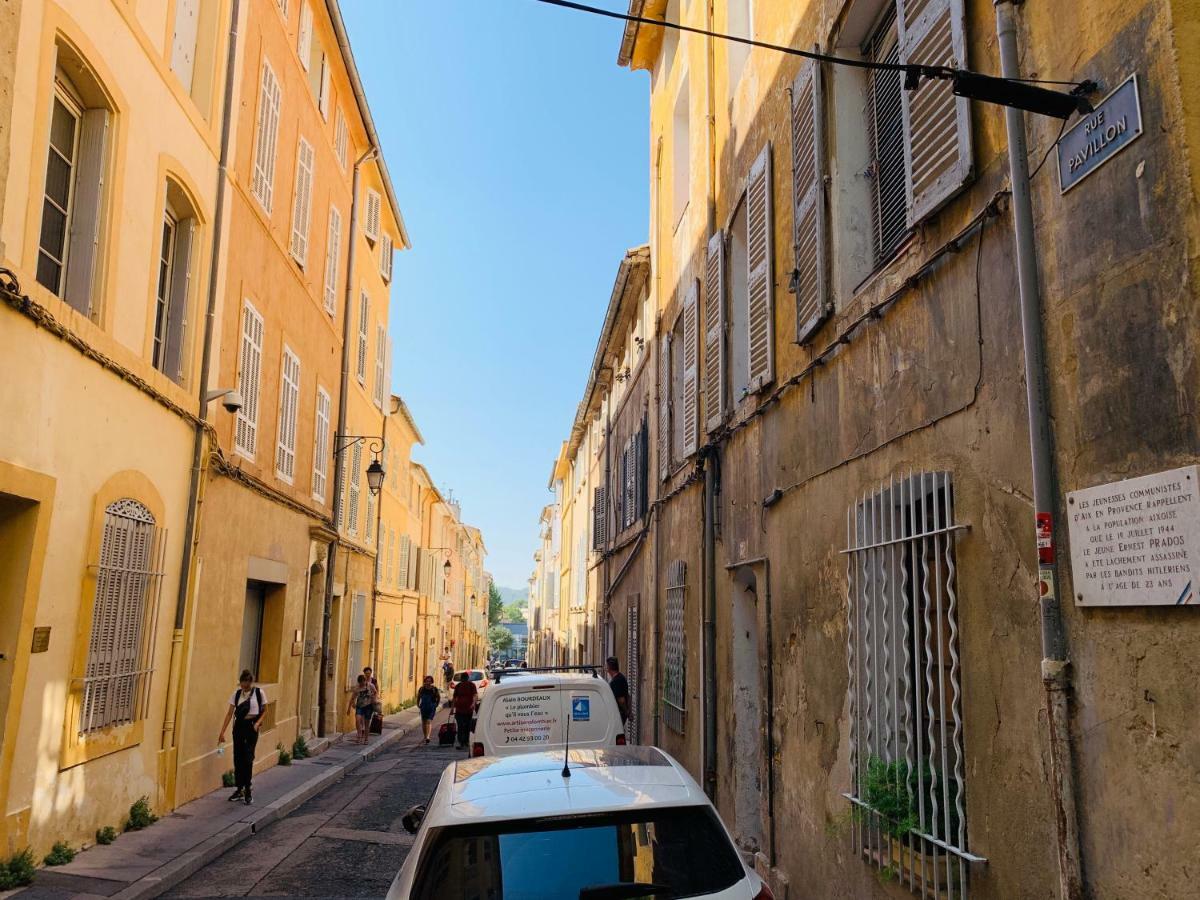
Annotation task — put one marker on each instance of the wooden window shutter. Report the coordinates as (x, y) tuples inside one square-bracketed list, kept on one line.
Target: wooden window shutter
[(691, 359), (371, 219), (937, 124), (386, 251), (333, 255), (326, 88), (380, 363), (181, 279), (83, 242), (289, 402), (302, 202), (355, 485), (304, 41), (321, 445), (810, 281), (364, 308), (664, 407), (760, 279), (714, 332), (643, 466), (249, 379), (262, 183)]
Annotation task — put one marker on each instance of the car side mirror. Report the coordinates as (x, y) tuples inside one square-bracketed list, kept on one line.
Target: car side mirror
[(412, 819)]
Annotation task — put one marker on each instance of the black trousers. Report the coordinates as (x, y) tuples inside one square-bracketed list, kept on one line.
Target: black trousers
[(245, 739), (463, 720)]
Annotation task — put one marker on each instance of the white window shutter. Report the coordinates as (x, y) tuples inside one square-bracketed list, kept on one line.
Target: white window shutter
[(183, 42), (326, 88), (810, 281), (760, 278), (691, 360), (333, 254), (664, 407), (364, 309), (249, 380), (405, 556), (304, 41), (714, 331), (937, 124), (321, 446), (262, 183), (289, 403), (371, 219), (302, 202), (341, 138), (181, 279), (386, 251), (380, 358), (355, 485), (84, 239)]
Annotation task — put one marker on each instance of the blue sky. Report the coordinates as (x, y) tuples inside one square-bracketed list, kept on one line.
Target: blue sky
[(519, 153)]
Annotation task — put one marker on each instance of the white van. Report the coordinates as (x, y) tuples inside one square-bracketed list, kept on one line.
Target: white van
[(541, 710)]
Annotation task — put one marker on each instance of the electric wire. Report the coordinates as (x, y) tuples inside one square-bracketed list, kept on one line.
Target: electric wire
[(1061, 131)]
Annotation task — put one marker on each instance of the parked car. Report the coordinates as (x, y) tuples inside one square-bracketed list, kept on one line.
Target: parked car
[(627, 822), (479, 676), (514, 664), (533, 711)]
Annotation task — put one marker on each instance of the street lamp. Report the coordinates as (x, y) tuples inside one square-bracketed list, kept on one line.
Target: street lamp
[(375, 471), (375, 475)]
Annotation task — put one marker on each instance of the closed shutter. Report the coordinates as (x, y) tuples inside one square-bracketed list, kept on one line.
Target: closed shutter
[(302, 202), (760, 279), (371, 219), (387, 373), (333, 260), (599, 537), (633, 666), (355, 483), (380, 361), (405, 558), (714, 331), (181, 279), (664, 407), (289, 402), (304, 41), (937, 124), (82, 248), (341, 138), (643, 467), (364, 308), (629, 487), (321, 446), (183, 42), (691, 369), (262, 183), (386, 250), (369, 525), (809, 229), (249, 379), (326, 88)]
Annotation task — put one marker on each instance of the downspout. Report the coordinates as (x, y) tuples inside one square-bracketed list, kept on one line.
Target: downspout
[(339, 464), (378, 546), (1055, 663), (172, 711)]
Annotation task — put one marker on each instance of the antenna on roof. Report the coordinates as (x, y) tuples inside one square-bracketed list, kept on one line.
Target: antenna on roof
[(566, 772)]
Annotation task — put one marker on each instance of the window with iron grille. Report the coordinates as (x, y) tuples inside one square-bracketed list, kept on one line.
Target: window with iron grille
[(886, 139), (906, 725), (120, 660), (633, 668), (675, 648)]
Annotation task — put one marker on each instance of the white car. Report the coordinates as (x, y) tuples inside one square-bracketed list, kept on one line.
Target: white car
[(537, 711), (479, 676), (627, 822)]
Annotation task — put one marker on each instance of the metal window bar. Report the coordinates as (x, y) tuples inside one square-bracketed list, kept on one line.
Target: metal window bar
[(905, 692), (675, 648), (632, 669), (120, 661)]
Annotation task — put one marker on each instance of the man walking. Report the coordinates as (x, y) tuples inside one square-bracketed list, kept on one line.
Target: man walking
[(465, 694), (620, 687)]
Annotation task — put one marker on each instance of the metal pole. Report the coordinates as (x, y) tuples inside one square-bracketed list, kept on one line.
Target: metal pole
[(709, 663), (339, 464), (1054, 646)]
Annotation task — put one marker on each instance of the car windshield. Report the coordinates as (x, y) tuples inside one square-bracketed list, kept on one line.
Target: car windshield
[(644, 853), (477, 676), (462, 676)]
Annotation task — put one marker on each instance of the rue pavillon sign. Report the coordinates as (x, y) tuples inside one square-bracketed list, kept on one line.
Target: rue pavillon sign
[(1136, 542), (1113, 125)]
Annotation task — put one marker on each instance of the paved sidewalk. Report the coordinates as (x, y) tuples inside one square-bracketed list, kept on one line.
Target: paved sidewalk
[(146, 863)]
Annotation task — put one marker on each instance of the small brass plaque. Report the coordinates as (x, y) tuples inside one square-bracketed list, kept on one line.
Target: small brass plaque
[(41, 639), (297, 647)]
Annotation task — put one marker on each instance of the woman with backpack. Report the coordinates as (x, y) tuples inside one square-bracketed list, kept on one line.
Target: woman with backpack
[(362, 703), (428, 698), (246, 708)]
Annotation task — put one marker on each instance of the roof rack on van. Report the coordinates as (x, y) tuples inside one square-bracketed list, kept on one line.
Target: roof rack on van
[(499, 672)]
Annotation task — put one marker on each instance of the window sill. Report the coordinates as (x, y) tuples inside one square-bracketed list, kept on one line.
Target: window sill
[(81, 748)]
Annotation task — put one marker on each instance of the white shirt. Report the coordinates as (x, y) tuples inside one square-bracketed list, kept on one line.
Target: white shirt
[(240, 697)]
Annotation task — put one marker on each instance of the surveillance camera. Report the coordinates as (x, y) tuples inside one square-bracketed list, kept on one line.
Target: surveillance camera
[(232, 402)]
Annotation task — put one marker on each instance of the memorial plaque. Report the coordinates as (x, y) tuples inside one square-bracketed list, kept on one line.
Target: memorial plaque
[(1113, 125), (41, 639), (1136, 542)]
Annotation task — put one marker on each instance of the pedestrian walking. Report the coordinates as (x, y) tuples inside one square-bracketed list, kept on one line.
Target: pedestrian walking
[(620, 687), (428, 699), (447, 673), (465, 695), (362, 703), (246, 709), (375, 722)]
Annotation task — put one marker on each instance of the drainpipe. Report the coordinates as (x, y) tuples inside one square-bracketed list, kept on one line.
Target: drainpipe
[(378, 546), (199, 438), (339, 463), (1055, 662)]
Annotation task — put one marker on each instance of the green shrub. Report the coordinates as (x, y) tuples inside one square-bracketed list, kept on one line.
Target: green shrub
[(106, 835), (60, 854), (887, 792), (140, 815), (300, 748), (17, 870), (285, 758), (228, 779)]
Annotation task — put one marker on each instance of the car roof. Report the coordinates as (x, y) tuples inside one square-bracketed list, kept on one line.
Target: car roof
[(530, 785), (550, 679)]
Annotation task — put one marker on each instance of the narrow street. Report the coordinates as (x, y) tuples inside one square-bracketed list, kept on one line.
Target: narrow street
[(345, 842)]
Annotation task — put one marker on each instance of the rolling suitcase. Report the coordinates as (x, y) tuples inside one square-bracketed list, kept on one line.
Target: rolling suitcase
[(447, 734)]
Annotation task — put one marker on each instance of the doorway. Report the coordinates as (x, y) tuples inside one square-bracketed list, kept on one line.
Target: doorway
[(18, 525), (747, 713)]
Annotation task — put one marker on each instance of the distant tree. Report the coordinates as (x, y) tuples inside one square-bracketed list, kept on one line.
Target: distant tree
[(495, 604), (513, 613), (499, 639)]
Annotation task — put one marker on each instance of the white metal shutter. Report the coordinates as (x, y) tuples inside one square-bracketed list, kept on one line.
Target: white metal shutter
[(633, 665), (371, 219), (289, 404), (760, 277), (87, 204), (262, 183), (302, 202), (380, 362), (809, 224), (691, 369), (364, 308), (714, 331), (385, 256), (664, 407), (304, 41), (355, 485), (249, 379), (333, 254), (183, 42), (181, 279), (341, 138), (937, 124), (321, 446)]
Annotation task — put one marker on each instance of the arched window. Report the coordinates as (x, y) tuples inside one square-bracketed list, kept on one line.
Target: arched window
[(121, 647)]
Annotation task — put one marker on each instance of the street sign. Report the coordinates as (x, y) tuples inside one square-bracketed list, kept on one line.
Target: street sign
[(581, 709), (1113, 125), (1137, 542)]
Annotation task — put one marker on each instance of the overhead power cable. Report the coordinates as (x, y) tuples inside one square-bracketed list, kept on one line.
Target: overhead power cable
[(1019, 92)]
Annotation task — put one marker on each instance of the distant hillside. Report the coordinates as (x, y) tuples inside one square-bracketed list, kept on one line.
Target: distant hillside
[(512, 595)]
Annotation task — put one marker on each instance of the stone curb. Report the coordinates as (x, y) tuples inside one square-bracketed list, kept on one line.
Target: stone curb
[(179, 869)]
